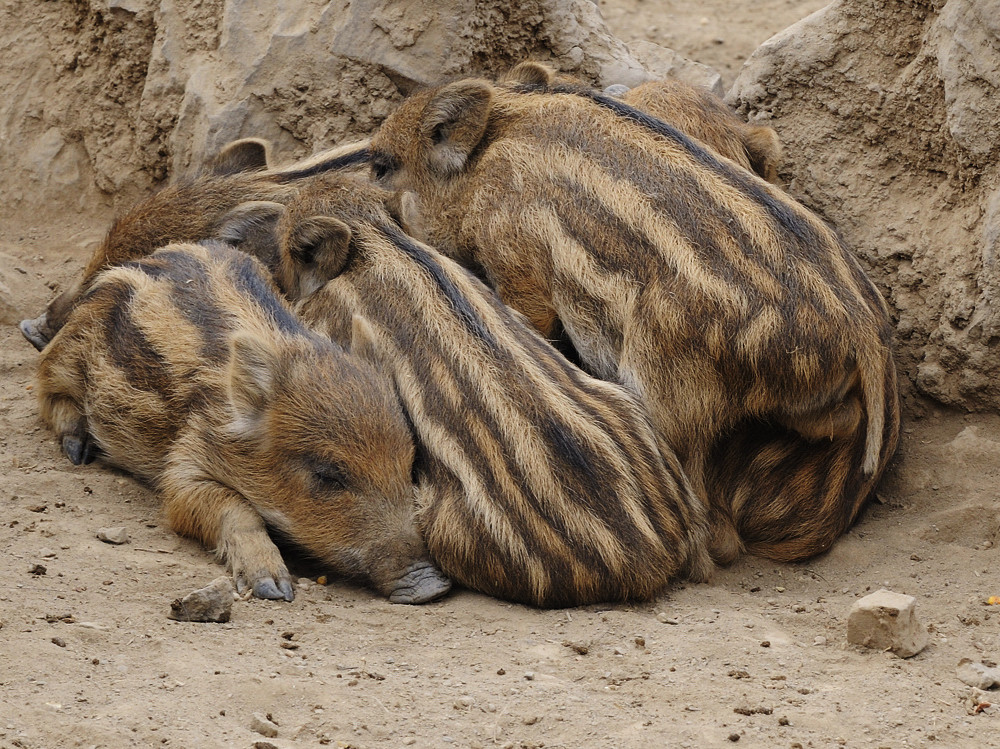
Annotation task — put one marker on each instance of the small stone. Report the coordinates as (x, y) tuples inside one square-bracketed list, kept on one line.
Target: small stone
[(116, 535), (263, 725), (464, 702), (409, 741), (734, 737), (887, 621), (765, 644), (46, 554), (500, 672), (578, 647), (38, 508), (531, 720), (59, 641), (819, 640), (640, 642), (264, 745), (37, 569), (213, 603), (529, 675), (978, 675)]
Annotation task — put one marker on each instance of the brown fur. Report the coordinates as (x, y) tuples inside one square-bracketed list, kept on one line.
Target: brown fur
[(536, 483), (735, 314), (213, 205), (187, 370), (695, 111)]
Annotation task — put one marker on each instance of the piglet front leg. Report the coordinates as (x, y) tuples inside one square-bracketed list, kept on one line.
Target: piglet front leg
[(221, 518)]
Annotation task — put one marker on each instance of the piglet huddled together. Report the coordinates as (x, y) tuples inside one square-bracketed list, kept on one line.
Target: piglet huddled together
[(563, 346)]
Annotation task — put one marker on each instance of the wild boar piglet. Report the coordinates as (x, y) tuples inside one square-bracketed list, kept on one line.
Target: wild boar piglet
[(189, 371), (536, 483), (738, 317)]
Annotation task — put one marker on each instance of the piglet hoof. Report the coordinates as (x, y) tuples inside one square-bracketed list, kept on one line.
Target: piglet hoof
[(80, 451), (421, 583), (31, 329), (264, 585)]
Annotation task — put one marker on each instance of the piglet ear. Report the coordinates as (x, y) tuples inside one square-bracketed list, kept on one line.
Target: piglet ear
[(244, 155), (455, 122), (530, 72), (363, 344), (253, 368), (763, 146), (249, 223), (315, 251)]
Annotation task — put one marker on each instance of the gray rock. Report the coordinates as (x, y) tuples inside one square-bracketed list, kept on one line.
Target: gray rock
[(978, 675), (968, 34), (887, 621), (837, 86), (213, 603), (115, 535), (662, 62)]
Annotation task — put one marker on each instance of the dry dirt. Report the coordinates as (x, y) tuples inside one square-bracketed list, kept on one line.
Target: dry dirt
[(759, 655)]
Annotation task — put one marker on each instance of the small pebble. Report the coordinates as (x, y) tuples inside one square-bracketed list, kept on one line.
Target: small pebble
[(263, 725), (766, 644), (529, 675), (409, 741), (37, 569), (59, 641), (116, 535), (734, 737), (819, 640), (531, 720)]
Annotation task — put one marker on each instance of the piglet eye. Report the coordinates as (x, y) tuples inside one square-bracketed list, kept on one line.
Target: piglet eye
[(330, 477)]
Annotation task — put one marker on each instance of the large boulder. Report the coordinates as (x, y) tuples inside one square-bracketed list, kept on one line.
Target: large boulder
[(106, 97), (889, 111)]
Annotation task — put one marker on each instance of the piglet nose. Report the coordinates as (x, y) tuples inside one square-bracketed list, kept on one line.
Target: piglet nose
[(422, 582)]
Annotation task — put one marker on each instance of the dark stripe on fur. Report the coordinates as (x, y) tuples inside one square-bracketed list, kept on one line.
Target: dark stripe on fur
[(354, 158), (128, 347), (192, 295), (739, 178), (470, 319), (248, 278)]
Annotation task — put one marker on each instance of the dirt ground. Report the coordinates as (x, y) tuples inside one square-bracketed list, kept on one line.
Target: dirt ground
[(758, 656)]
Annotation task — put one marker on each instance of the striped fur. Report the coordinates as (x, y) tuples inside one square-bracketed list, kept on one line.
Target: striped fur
[(189, 371), (735, 314), (694, 111), (235, 200), (536, 482)]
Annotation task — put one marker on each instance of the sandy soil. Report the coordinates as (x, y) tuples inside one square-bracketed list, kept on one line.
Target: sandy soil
[(758, 656)]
